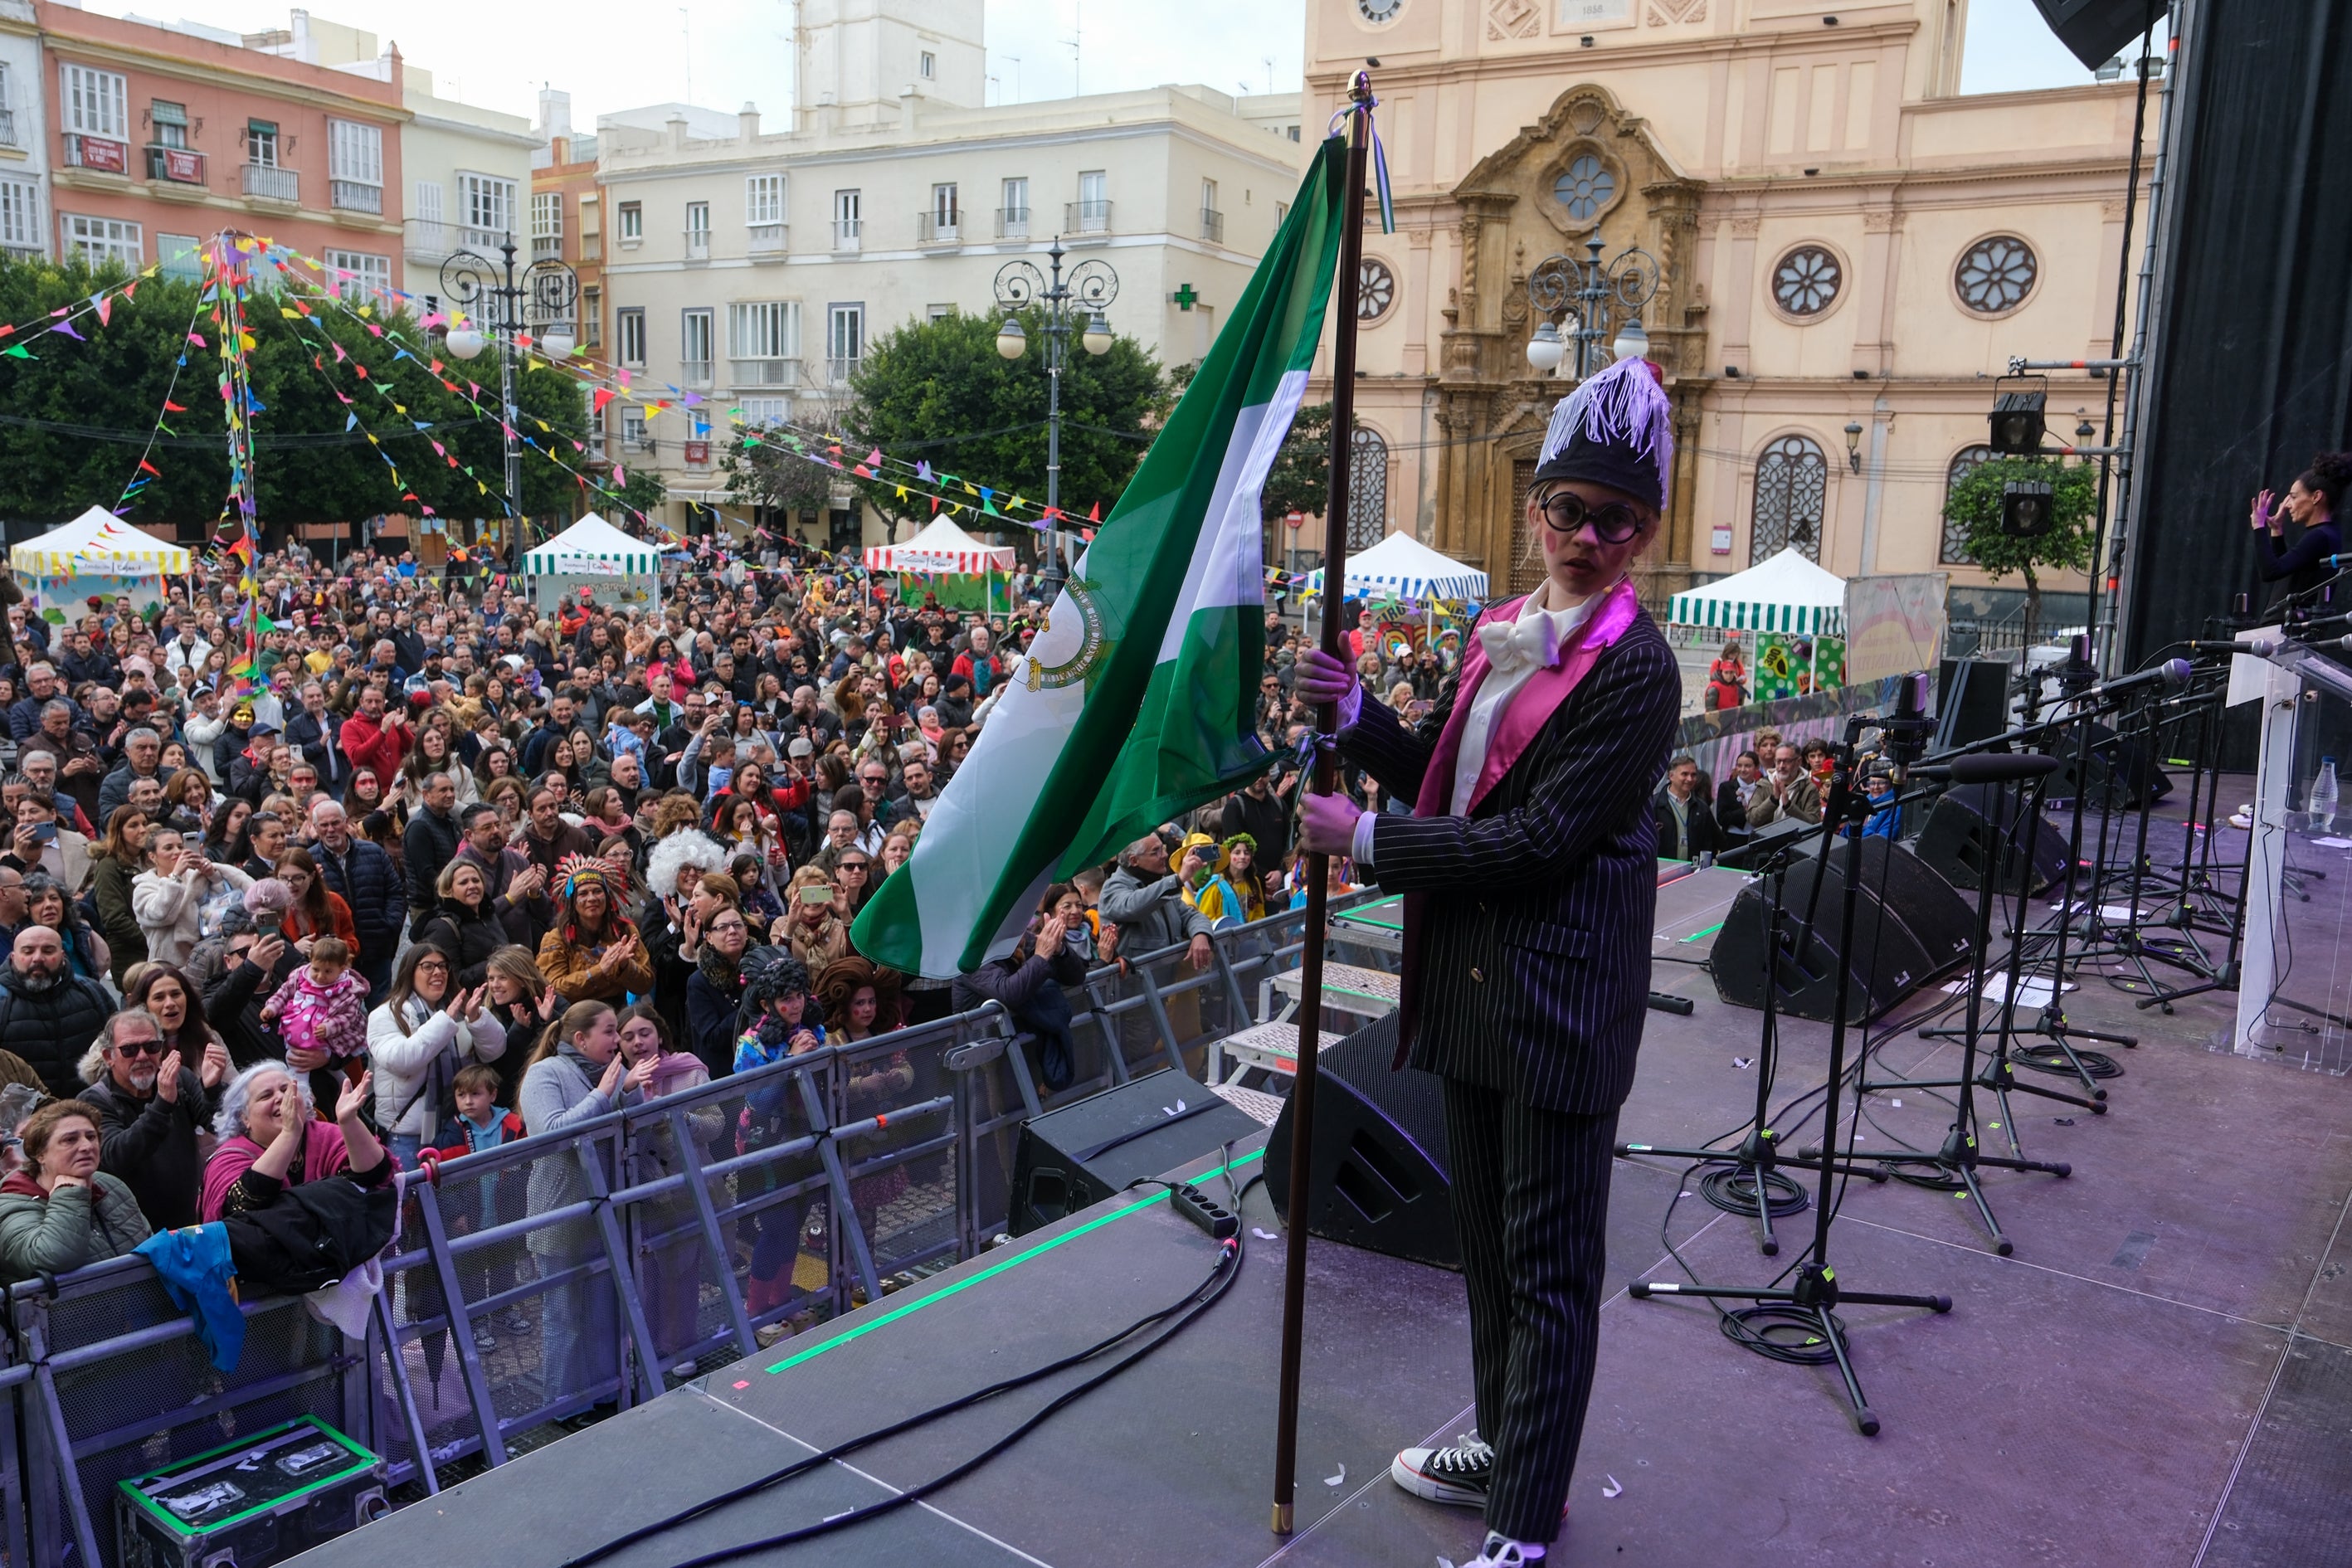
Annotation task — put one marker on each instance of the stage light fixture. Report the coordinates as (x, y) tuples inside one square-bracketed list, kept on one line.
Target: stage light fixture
[(2026, 509), (2017, 424)]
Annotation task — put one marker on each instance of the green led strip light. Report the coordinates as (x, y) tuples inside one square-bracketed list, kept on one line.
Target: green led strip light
[(993, 1269), (1710, 930)]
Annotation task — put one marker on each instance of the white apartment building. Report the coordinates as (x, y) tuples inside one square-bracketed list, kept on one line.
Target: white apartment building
[(24, 146), (465, 170), (752, 268)]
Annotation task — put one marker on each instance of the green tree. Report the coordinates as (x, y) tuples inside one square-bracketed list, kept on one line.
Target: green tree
[(1301, 479), (643, 491), (939, 390), (75, 417), (1974, 503), (763, 468)]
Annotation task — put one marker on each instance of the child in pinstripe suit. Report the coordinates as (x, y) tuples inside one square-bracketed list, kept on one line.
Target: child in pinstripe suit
[(1530, 883)]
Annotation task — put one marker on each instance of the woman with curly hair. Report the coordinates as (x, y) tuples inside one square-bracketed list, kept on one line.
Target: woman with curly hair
[(593, 953), (861, 1001), (45, 904)]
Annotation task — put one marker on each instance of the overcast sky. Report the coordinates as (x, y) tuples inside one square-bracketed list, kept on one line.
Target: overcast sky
[(611, 56)]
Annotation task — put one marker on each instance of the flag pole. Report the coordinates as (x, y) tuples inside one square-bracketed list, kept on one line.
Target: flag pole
[(1326, 780)]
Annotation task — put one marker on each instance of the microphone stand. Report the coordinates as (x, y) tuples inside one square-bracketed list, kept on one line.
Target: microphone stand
[(1809, 1306), (1958, 1160)]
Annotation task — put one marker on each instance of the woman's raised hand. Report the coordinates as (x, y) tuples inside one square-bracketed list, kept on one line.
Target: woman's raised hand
[(355, 1097)]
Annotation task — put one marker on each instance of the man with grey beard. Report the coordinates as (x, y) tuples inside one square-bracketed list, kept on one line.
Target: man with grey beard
[(49, 1015), (152, 1108)]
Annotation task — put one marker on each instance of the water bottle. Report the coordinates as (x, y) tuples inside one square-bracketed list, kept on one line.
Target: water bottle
[(2322, 795)]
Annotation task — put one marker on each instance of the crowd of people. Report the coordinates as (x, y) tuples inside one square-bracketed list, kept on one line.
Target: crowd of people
[(446, 868)]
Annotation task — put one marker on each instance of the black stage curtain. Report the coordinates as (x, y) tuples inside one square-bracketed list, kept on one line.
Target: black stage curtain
[(2251, 362)]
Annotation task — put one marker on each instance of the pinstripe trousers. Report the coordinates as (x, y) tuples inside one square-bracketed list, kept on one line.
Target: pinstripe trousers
[(1530, 1192)]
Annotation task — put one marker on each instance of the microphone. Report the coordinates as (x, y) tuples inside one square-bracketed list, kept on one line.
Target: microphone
[(2173, 674), (1990, 767), (2261, 647)]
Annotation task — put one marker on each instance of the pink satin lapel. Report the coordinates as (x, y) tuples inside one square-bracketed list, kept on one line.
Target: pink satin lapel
[(1438, 782), (1532, 706)]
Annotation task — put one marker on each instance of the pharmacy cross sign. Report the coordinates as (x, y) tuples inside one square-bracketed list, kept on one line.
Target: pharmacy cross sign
[(1184, 297)]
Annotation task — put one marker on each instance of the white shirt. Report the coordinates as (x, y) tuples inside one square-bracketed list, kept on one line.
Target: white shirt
[(1540, 634)]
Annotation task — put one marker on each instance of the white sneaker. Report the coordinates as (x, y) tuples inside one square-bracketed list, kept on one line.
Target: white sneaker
[(1459, 1476), (1500, 1552)]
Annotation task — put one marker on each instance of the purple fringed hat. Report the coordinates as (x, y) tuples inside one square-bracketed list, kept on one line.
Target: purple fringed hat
[(1616, 429)]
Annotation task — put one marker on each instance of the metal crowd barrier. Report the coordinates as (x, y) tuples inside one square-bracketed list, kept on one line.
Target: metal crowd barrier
[(597, 1264)]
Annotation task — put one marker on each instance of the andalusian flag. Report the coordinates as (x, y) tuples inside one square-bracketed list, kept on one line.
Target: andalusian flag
[(1137, 702)]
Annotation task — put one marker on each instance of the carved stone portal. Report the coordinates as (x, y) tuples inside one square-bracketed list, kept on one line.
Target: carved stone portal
[(1586, 166)]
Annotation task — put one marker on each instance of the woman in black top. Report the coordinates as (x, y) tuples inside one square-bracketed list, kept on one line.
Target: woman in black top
[(2312, 501)]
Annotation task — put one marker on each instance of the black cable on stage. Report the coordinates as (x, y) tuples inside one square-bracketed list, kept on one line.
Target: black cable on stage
[(1226, 1269)]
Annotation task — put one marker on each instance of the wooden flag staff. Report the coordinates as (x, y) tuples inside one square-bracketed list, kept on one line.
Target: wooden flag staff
[(1326, 780)]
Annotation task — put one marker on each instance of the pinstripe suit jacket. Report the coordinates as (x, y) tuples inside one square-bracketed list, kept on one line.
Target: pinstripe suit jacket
[(1527, 923)]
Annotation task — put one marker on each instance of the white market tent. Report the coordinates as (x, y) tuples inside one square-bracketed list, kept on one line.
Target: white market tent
[(1785, 593), (594, 554), (943, 550), (1400, 566), (95, 553)]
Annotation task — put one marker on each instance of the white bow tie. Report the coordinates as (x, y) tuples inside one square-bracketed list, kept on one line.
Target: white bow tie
[(1531, 640)]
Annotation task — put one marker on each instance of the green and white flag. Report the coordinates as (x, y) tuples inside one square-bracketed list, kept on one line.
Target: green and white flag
[(1137, 702)]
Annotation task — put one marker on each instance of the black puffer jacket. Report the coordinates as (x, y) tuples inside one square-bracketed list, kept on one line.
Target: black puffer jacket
[(469, 936), (366, 877), (52, 1028)]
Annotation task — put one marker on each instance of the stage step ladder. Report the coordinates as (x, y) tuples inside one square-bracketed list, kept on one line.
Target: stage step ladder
[(1273, 1046), (1361, 993), (1261, 1106)]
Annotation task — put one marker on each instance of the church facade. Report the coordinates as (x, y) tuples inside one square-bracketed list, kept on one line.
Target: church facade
[(1833, 254)]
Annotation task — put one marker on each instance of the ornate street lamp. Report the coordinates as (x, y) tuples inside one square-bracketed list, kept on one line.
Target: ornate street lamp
[(545, 294), (1590, 296), (1088, 289)]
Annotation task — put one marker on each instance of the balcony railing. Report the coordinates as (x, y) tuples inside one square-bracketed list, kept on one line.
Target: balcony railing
[(694, 372), (273, 183), (354, 196), (637, 443), (765, 371), (482, 241), (1087, 217), (176, 166), (840, 371), (936, 228), (426, 238), (101, 153), (1012, 222), (1212, 226), (698, 244), (766, 241), (848, 234), (9, 129)]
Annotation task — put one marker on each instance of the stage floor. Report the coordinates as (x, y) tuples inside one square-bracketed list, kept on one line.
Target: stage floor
[(2162, 1374)]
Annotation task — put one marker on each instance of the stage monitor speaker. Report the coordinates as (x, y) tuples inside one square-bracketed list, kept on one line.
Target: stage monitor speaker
[(1889, 959), (2111, 778), (2097, 31), (1378, 1179), (1971, 702), (1956, 841), (1084, 1153)]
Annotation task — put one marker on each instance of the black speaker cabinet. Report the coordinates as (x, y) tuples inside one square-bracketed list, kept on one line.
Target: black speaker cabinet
[(1084, 1153), (1890, 957), (1378, 1179), (1971, 701), (1955, 842), (2115, 775)]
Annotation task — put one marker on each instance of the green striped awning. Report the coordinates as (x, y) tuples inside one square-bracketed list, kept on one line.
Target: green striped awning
[(1786, 593), (593, 547)]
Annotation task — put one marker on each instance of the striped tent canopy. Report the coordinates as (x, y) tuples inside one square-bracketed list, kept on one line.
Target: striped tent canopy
[(593, 547), (1402, 567), (97, 543), (1786, 593), (941, 548)]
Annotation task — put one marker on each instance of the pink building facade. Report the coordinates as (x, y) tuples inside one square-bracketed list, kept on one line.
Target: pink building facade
[(162, 139)]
